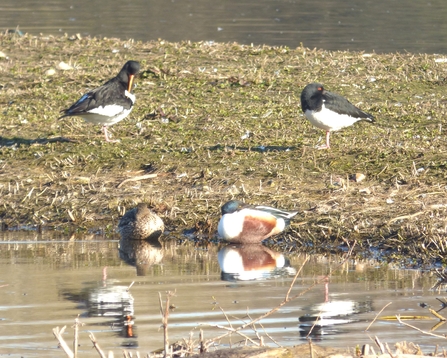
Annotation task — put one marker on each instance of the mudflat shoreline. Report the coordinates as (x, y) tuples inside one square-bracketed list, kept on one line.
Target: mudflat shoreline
[(215, 121)]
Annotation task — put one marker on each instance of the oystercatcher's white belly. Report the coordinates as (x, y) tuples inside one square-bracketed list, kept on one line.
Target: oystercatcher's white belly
[(107, 115), (110, 114), (329, 120)]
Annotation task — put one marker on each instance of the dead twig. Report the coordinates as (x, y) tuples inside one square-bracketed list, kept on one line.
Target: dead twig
[(76, 336), (379, 344), (419, 330), (437, 315), (315, 323), (58, 334), (96, 345), (165, 316), (377, 315), (266, 333), (137, 178), (389, 351), (405, 217), (311, 348)]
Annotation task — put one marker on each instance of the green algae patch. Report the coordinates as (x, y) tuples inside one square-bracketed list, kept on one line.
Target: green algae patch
[(220, 121)]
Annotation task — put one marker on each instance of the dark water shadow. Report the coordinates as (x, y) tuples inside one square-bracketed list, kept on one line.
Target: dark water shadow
[(259, 148), (11, 142)]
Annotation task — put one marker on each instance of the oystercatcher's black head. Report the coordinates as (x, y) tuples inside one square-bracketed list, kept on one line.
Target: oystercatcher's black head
[(311, 95), (128, 72)]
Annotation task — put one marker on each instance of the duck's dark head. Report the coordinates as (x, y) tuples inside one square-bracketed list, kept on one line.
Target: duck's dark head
[(231, 206)]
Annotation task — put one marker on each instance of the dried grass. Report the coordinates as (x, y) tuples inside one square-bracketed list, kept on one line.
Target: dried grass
[(217, 121)]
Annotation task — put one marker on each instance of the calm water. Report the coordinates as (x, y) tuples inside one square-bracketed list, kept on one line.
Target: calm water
[(379, 25), (47, 280)]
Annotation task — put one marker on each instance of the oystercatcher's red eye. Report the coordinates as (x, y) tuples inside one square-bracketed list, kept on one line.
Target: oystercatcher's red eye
[(320, 88)]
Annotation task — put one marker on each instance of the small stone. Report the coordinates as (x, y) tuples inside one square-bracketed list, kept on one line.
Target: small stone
[(365, 191), (207, 189), (64, 66), (233, 190), (50, 72)]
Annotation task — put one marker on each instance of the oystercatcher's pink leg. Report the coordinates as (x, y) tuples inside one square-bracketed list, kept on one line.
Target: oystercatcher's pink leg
[(326, 146), (106, 135)]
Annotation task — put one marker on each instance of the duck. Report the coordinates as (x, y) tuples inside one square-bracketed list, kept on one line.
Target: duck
[(109, 103), (243, 223), (330, 111), (241, 262), (143, 254), (140, 223)]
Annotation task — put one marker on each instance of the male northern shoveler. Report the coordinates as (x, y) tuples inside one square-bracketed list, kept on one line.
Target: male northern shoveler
[(109, 103), (251, 262), (243, 223), (329, 111), (140, 223)]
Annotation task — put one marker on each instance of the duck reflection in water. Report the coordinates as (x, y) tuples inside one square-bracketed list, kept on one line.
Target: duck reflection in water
[(252, 262), (140, 229), (142, 254)]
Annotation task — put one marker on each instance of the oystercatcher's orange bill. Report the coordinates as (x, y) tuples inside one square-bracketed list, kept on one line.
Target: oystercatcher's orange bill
[(129, 85)]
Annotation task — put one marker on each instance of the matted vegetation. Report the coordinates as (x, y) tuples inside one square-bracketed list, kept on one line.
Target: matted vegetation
[(216, 121)]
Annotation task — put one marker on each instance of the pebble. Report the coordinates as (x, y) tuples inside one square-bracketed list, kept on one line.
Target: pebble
[(64, 66)]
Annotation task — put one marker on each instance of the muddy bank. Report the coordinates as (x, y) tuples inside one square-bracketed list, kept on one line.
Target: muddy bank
[(220, 121)]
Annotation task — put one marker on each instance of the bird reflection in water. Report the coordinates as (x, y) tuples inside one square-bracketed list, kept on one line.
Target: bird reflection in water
[(242, 262), (113, 303), (142, 254), (325, 318)]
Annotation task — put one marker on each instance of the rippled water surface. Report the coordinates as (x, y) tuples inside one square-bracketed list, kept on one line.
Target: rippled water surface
[(47, 280), (382, 25)]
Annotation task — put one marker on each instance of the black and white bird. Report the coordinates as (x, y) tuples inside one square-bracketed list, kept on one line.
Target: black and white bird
[(109, 103), (329, 111)]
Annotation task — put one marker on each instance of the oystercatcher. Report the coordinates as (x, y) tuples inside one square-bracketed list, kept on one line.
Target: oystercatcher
[(246, 224), (109, 103), (329, 111)]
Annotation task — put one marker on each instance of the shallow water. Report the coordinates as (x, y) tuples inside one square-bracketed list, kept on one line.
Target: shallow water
[(47, 280), (382, 25)]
